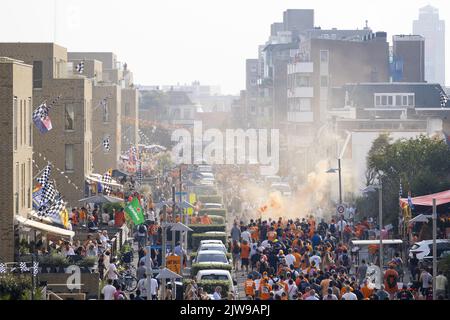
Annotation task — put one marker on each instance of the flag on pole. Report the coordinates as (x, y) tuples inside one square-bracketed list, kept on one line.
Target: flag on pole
[(106, 144), (43, 179), (139, 173), (135, 211), (80, 67), (410, 203), (41, 118), (107, 178), (57, 212), (400, 191), (49, 193)]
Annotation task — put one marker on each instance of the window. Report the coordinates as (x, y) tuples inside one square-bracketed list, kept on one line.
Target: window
[(105, 111), (15, 111), (411, 101), (378, 101), (398, 100), (324, 56), (30, 175), (69, 157), (17, 188), (305, 104), (324, 81), (29, 123), (21, 123), (22, 186), (390, 100), (383, 100), (37, 74), (69, 117), (127, 109), (404, 100)]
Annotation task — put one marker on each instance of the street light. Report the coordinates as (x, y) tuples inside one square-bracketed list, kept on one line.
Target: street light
[(373, 188), (339, 170)]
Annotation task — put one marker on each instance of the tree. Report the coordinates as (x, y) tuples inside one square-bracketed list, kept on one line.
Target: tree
[(421, 164)]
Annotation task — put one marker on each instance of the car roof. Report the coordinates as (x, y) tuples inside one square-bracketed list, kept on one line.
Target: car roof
[(211, 252), (214, 271), (211, 241)]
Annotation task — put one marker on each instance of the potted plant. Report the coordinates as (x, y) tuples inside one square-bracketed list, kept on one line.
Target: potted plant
[(87, 263), (58, 262)]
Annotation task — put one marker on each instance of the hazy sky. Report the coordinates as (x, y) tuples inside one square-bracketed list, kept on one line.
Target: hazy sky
[(170, 41)]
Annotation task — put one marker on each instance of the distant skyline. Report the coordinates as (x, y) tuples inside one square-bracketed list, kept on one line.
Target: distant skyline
[(179, 41)]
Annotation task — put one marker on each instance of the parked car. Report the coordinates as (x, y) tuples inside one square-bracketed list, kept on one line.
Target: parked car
[(283, 188), (204, 168), (271, 179), (424, 249), (202, 242), (212, 257), (220, 275), (212, 246), (211, 205)]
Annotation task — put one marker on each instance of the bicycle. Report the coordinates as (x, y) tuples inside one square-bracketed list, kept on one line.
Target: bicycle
[(128, 280)]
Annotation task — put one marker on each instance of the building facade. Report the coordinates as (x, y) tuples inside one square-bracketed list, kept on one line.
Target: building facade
[(68, 145), (409, 58), (16, 150)]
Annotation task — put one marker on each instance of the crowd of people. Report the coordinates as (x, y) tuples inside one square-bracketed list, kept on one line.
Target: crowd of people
[(302, 260)]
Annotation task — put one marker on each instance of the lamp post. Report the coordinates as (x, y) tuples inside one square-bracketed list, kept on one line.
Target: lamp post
[(373, 188), (339, 171)]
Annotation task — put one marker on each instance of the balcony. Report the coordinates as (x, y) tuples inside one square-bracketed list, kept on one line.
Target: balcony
[(301, 92), (307, 116), (300, 67)]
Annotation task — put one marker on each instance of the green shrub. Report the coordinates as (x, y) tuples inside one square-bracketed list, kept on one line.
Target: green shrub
[(87, 262), (214, 212), (196, 267), (197, 237), (217, 219), (209, 286), (14, 287), (110, 206), (210, 199), (54, 260), (202, 228), (205, 191)]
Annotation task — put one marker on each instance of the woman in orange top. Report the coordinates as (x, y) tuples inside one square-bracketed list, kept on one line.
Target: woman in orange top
[(245, 254), (366, 291)]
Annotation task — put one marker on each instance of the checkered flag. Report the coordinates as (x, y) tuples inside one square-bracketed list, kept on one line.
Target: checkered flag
[(35, 267), (23, 267), (55, 209), (41, 112), (49, 193), (2, 268), (43, 179), (444, 99), (107, 179), (80, 67), (139, 176), (106, 144)]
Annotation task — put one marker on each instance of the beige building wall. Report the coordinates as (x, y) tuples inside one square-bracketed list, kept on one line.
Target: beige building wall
[(93, 69), (108, 59), (68, 145), (16, 148), (106, 124), (130, 117)]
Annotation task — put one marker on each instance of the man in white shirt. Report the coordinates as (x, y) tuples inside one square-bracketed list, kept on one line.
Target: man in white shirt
[(246, 235), (142, 286), (290, 258), (154, 288), (340, 225), (312, 295), (217, 293), (348, 295), (108, 291)]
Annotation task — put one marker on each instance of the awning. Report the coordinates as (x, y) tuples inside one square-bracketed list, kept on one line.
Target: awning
[(44, 227), (95, 177), (101, 198), (369, 242), (427, 200), (420, 218)]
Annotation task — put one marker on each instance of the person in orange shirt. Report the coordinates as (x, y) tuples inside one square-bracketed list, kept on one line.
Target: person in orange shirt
[(245, 255), (206, 219), (264, 289), (249, 286), (254, 232), (298, 258), (194, 219), (366, 290)]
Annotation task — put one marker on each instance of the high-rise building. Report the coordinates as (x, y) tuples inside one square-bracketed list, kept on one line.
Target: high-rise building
[(298, 20), (433, 30), (16, 149), (409, 57)]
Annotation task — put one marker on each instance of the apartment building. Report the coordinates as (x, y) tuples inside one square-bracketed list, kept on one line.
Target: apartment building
[(68, 145), (16, 149)]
